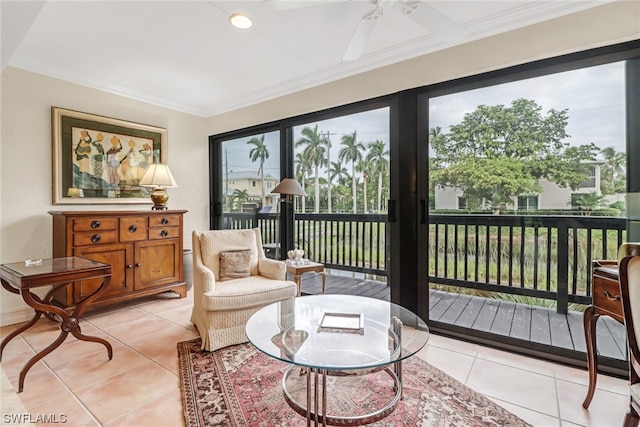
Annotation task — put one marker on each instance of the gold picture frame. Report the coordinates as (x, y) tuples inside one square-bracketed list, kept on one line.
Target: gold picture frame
[(100, 160)]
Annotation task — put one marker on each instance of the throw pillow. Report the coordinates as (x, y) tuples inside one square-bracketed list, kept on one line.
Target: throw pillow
[(235, 264)]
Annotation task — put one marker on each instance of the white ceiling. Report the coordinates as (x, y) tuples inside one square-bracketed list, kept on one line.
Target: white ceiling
[(186, 56)]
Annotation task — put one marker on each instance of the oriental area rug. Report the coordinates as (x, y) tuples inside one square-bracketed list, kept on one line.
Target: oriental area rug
[(241, 386)]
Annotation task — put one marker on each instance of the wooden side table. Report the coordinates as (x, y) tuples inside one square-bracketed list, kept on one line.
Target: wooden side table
[(21, 277), (297, 270), (605, 292)]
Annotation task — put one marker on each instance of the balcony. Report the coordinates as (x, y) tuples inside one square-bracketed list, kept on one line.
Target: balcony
[(497, 280)]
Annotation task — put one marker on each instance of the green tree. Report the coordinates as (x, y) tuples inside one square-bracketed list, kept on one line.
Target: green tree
[(351, 152), (499, 152), (259, 152), (314, 150), (613, 177), (587, 202), (303, 167), (378, 157), (327, 142), (340, 174), (238, 198), (366, 169)]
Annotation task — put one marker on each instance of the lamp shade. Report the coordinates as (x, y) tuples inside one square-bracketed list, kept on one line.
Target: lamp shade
[(158, 175), (289, 186)]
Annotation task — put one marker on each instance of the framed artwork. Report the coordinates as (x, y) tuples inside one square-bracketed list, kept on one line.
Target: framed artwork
[(100, 160)]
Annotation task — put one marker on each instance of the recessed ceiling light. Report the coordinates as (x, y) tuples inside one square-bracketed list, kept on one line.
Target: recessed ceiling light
[(241, 21)]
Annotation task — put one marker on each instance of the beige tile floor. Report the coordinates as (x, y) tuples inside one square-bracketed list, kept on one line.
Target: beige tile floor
[(139, 387)]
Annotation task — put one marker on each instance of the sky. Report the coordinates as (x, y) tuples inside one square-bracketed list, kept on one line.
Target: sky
[(594, 98)]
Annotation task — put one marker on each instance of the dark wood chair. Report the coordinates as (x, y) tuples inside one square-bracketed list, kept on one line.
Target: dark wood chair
[(629, 267)]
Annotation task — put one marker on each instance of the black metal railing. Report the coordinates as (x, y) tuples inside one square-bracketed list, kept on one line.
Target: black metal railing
[(546, 257)]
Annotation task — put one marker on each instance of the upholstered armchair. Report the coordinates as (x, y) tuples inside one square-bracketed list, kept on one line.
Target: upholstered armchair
[(232, 279), (629, 266)]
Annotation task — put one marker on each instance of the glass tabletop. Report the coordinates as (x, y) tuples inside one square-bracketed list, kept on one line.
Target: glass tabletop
[(47, 266), (339, 332)]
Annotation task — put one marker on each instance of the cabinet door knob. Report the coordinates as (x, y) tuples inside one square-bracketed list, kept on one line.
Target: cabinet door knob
[(129, 266), (95, 224), (164, 233), (133, 229), (95, 238), (137, 264), (164, 221)]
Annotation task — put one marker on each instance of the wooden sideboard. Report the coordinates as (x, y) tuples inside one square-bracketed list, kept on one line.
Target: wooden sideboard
[(144, 248), (605, 293)]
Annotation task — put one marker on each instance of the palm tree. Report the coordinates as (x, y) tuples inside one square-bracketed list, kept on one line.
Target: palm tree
[(303, 167), (351, 152), (239, 197), (339, 172), (261, 152), (366, 169), (377, 156), (587, 202), (314, 152), (327, 143), (613, 171)]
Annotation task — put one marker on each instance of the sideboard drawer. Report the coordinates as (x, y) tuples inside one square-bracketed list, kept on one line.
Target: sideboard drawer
[(164, 221), (95, 238), (164, 233), (133, 229), (90, 224)]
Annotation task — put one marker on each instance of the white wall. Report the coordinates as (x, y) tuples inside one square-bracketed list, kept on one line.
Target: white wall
[(26, 164), (26, 100)]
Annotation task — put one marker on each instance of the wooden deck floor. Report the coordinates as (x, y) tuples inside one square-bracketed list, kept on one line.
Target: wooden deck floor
[(533, 330)]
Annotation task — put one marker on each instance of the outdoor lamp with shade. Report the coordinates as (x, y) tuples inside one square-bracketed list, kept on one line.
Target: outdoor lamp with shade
[(159, 177), (288, 188)]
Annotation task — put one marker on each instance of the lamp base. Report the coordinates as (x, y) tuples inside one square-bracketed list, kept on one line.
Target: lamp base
[(159, 198)]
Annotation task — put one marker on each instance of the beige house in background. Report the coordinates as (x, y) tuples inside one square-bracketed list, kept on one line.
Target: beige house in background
[(252, 182), (552, 195)]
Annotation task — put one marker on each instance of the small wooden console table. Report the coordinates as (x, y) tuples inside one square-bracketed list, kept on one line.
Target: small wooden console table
[(297, 270), (605, 292), (21, 277)]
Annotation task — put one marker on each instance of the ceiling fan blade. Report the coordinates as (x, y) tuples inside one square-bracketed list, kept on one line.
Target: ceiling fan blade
[(361, 36), (434, 20)]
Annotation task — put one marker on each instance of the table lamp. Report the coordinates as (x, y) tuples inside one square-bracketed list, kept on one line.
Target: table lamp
[(159, 177)]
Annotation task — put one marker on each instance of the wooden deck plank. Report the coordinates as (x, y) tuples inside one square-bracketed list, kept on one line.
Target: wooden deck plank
[(521, 323), (559, 328), (435, 297), (471, 312), (576, 329), (504, 318), (540, 332), (442, 306), (453, 312), (606, 342), (487, 315)]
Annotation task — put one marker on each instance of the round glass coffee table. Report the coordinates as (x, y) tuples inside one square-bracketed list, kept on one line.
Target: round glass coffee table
[(334, 341)]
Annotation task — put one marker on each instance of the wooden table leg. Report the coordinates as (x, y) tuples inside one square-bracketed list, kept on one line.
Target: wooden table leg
[(297, 280), (590, 319), (324, 279), (21, 329), (69, 323)]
